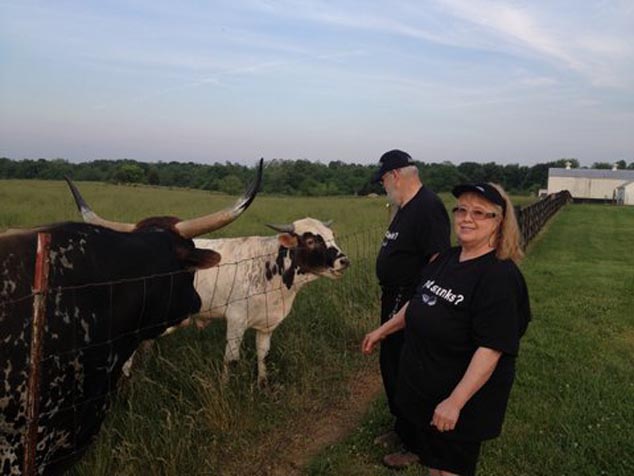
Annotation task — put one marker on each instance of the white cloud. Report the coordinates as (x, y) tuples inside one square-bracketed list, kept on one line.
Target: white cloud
[(538, 81), (572, 44)]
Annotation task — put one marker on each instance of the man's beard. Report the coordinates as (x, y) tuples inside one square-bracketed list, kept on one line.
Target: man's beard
[(392, 198)]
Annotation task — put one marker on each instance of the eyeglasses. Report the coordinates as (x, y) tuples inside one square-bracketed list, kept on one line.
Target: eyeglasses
[(477, 215), (389, 172)]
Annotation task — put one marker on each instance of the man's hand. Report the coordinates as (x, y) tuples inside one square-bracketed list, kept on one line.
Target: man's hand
[(370, 341)]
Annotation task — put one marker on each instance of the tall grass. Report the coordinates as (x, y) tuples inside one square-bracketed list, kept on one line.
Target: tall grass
[(572, 407), (174, 416)]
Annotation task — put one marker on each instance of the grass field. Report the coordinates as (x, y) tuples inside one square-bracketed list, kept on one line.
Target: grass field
[(33, 202), (572, 407), (571, 410), (174, 416), (36, 202)]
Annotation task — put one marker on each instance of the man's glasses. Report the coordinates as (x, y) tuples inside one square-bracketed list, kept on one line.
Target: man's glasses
[(389, 172), (476, 214)]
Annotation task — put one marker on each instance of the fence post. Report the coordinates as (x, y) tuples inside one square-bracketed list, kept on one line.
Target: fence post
[(40, 290)]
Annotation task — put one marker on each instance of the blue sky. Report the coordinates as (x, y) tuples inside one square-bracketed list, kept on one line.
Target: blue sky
[(459, 80)]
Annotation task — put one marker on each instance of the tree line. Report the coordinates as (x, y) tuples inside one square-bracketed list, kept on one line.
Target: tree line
[(286, 177)]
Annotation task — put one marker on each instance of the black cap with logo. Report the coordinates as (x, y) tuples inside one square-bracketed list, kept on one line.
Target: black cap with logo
[(393, 159), (485, 190)]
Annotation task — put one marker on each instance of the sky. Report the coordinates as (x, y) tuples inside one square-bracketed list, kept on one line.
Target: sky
[(215, 81)]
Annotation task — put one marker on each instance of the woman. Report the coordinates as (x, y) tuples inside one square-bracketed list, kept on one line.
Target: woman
[(462, 332)]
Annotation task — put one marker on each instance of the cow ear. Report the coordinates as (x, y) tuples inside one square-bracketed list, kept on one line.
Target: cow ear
[(287, 240), (197, 258), (206, 258)]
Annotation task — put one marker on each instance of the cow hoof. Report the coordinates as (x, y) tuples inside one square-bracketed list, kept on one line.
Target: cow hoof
[(127, 368), (228, 369)]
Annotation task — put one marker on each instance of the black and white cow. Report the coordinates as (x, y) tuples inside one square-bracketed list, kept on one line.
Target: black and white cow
[(259, 278), (108, 291)]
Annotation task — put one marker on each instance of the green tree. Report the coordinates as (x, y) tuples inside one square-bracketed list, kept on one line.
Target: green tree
[(129, 173), (153, 176), (441, 177), (230, 185), (472, 171), (561, 163), (281, 176)]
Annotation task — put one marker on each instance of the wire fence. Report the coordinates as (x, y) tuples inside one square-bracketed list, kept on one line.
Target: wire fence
[(84, 344), (84, 341), (70, 351)]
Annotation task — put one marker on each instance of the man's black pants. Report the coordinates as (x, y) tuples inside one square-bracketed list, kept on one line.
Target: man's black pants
[(390, 354)]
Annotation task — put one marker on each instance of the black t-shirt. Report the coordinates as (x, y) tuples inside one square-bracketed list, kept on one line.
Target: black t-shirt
[(458, 307), (419, 230)]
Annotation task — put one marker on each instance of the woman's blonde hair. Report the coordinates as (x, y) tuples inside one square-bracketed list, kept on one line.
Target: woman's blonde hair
[(508, 242)]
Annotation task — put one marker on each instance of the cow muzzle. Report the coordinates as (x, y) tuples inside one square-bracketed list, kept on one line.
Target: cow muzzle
[(340, 265)]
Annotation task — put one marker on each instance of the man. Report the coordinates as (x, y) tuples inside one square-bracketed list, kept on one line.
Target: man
[(417, 233)]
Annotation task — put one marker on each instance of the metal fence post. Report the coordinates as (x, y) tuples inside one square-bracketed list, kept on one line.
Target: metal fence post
[(40, 290)]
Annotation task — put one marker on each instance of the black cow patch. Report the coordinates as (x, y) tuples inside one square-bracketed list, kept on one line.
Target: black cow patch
[(270, 270), (100, 306), (311, 255)]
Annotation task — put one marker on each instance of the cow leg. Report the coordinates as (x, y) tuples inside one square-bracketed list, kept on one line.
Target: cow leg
[(262, 344), (142, 351), (127, 366), (235, 332), (185, 323)]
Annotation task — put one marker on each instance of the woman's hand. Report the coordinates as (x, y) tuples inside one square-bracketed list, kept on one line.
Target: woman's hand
[(446, 415), (480, 368), (370, 341)]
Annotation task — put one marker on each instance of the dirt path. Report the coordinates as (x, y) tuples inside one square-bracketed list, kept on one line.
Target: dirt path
[(292, 450)]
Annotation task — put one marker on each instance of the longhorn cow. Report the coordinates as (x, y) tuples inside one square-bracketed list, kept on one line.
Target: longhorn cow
[(258, 280), (110, 287)]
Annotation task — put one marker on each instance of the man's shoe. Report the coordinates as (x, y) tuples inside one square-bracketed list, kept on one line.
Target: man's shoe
[(387, 439), (401, 459)]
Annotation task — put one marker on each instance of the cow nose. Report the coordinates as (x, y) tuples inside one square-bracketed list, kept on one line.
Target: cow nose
[(345, 262)]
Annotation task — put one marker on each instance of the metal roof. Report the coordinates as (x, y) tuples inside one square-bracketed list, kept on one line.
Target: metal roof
[(593, 173), (626, 184)]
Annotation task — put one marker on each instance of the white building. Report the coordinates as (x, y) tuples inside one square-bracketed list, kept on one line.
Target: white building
[(625, 194), (594, 184)]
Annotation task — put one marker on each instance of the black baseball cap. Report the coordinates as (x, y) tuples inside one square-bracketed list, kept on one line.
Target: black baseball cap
[(483, 189), (393, 159)]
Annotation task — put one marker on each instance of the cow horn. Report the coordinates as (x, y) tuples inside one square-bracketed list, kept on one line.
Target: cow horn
[(328, 223), (208, 223), (91, 217), (282, 228)]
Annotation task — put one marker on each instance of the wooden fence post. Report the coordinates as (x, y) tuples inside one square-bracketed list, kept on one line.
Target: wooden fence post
[(40, 290), (531, 219)]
